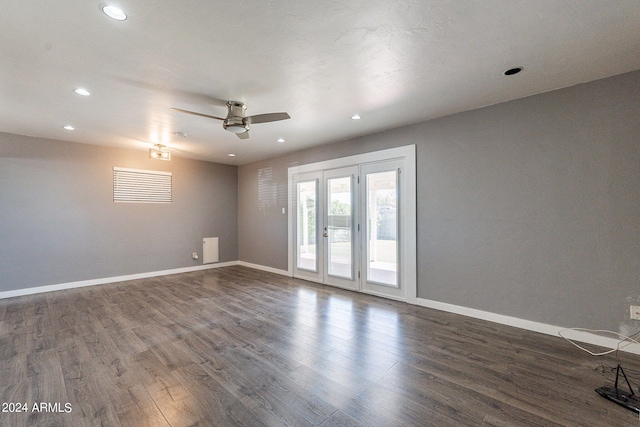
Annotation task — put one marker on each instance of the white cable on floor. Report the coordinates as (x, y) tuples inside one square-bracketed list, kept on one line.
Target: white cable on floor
[(629, 340)]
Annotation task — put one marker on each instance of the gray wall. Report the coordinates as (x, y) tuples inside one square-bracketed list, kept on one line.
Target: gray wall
[(529, 208), (58, 222)]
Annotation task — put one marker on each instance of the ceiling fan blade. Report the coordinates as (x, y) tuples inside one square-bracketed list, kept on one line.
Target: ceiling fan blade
[(197, 114), (269, 117), (243, 135), (183, 95)]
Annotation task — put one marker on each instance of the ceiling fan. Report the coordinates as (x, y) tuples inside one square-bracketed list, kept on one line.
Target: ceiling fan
[(236, 121)]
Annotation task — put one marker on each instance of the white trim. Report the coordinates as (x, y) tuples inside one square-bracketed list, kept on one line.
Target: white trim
[(529, 325), (410, 224), (386, 296), (118, 168), (291, 198), (374, 156), (265, 268), (105, 280)]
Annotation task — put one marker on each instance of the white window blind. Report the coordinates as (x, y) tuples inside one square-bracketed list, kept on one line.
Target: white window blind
[(141, 186)]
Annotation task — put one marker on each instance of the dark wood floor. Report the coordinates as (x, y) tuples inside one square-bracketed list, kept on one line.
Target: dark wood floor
[(236, 346)]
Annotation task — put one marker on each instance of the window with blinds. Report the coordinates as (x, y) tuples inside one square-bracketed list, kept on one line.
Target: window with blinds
[(141, 186)]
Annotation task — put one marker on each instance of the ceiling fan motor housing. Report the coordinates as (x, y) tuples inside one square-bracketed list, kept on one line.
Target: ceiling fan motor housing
[(236, 121)]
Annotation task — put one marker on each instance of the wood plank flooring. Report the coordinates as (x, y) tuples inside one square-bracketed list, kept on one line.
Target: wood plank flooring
[(236, 346)]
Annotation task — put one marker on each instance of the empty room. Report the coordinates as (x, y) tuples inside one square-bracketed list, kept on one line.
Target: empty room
[(275, 213)]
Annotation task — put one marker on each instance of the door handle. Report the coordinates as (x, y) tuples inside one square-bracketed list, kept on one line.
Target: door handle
[(325, 234)]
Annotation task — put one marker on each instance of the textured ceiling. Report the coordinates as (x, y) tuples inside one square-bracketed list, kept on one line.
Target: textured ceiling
[(394, 62)]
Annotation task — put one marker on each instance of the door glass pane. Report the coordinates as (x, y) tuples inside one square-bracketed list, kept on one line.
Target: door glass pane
[(307, 199), (339, 227), (382, 228)]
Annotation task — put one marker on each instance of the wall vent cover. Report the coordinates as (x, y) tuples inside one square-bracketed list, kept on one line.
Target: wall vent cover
[(141, 186)]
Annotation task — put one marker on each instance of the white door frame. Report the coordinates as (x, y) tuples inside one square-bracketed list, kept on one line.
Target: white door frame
[(408, 183)]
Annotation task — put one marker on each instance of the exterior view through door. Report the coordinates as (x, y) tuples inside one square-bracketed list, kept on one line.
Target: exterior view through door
[(352, 223)]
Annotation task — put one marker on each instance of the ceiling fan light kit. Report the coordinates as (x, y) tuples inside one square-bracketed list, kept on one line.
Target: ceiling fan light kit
[(236, 121)]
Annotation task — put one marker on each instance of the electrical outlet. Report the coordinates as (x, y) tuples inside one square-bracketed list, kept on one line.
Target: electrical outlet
[(635, 312), (194, 255)]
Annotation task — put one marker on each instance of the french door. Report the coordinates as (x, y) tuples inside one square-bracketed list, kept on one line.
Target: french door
[(326, 245), (339, 233), (348, 228)]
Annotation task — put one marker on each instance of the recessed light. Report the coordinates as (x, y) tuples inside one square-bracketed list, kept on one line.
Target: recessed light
[(68, 127), (512, 71), (280, 140), (232, 155), (82, 91), (114, 12), (356, 117)]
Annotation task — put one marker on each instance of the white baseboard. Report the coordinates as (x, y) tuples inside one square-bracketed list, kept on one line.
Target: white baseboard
[(581, 336), (265, 268), (105, 280)]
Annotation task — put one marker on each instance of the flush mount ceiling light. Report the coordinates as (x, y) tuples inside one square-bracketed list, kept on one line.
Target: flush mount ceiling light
[(113, 12), (68, 127), (356, 117), (82, 91), (160, 152), (232, 155), (512, 71), (280, 140)]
